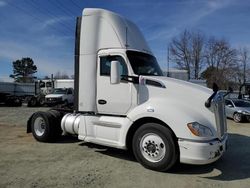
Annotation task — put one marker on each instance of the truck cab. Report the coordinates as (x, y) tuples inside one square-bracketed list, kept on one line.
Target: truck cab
[(122, 100)]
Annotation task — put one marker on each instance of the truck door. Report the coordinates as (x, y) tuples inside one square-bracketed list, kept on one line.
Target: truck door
[(112, 98)]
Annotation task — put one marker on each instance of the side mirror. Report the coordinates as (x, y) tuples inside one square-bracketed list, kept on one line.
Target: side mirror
[(115, 77), (230, 106)]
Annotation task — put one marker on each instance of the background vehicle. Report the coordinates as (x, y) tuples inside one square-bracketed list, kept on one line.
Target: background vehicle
[(244, 92), (13, 94), (122, 100), (238, 109), (60, 96)]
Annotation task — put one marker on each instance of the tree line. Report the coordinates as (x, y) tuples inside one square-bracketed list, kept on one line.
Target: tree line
[(210, 58)]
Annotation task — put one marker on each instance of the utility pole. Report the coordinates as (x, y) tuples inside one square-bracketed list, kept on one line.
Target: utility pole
[(168, 64)]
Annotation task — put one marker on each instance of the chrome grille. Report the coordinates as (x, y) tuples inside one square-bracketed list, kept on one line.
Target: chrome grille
[(220, 116)]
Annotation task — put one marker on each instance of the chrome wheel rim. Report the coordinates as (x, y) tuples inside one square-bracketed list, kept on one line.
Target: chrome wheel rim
[(39, 126), (237, 117), (152, 147)]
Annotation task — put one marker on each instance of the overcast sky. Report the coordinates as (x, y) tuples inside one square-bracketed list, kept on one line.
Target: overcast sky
[(44, 29)]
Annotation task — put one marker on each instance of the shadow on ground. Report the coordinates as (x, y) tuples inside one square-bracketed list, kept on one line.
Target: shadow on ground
[(67, 139), (112, 152), (234, 164)]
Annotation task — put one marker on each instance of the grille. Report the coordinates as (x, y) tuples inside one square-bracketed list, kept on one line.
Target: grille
[(220, 116), (53, 99)]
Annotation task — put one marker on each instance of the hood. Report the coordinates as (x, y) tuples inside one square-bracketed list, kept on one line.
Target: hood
[(54, 96), (179, 102), (243, 109), (179, 89)]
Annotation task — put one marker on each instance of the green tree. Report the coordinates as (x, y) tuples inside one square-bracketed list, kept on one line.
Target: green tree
[(24, 70)]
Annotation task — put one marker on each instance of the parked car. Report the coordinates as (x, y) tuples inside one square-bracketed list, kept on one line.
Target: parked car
[(60, 96), (237, 109)]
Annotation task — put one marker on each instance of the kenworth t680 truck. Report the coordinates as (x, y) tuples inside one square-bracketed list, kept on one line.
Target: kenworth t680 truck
[(122, 100)]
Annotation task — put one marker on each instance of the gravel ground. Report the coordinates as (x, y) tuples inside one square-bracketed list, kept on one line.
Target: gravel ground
[(25, 162)]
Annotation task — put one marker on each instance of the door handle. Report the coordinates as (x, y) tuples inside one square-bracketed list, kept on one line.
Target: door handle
[(102, 102)]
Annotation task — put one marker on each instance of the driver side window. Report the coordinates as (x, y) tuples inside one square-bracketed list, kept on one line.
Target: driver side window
[(227, 102), (105, 64)]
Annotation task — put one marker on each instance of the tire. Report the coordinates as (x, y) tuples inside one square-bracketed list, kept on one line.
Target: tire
[(13, 101), (41, 101), (44, 127), (154, 147), (32, 102), (237, 117), (57, 122), (248, 118), (66, 103)]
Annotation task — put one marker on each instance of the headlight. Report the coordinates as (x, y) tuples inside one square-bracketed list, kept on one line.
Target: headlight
[(245, 112), (199, 130)]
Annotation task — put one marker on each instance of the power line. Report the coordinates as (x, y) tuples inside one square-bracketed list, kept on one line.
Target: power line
[(48, 12), (65, 8), (34, 17), (61, 7), (75, 4)]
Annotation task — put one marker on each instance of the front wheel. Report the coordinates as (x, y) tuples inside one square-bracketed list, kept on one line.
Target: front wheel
[(248, 118), (154, 147), (237, 117)]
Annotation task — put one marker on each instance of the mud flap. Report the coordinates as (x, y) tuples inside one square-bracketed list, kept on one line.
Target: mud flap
[(29, 125)]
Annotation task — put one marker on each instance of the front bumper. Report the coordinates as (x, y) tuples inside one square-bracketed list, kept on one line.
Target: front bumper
[(195, 152)]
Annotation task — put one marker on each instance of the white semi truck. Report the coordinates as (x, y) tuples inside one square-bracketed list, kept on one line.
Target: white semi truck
[(122, 100)]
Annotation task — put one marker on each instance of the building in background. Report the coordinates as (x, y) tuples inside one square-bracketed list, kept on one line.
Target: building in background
[(176, 73), (183, 75)]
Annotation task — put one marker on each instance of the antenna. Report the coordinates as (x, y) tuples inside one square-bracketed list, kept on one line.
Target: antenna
[(126, 45), (168, 63)]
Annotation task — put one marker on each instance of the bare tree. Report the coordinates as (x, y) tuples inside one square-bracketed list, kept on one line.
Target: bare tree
[(198, 40), (187, 52), (46, 77), (243, 60), (221, 60), (60, 75), (180, 51)]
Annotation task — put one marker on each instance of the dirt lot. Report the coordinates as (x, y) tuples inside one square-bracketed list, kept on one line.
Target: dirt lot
[(25, 162)]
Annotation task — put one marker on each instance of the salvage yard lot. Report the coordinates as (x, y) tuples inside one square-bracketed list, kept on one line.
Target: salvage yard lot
[(25, 162)]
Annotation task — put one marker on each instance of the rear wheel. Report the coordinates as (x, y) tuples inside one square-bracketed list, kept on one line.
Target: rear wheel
[(154, 147), (45, 126), (32, 102), (237, 117)]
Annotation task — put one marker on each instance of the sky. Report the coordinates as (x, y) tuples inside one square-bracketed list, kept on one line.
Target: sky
[(45, 29)]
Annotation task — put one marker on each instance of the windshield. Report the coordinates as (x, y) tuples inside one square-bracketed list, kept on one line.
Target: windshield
[(48, 84), (42, 84), (144, 64), (242, 104), (60, 91)]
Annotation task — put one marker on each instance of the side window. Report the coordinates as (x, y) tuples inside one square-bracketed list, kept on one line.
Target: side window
[(105, 64), (42, 84), (227, 102), (48, 84)]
